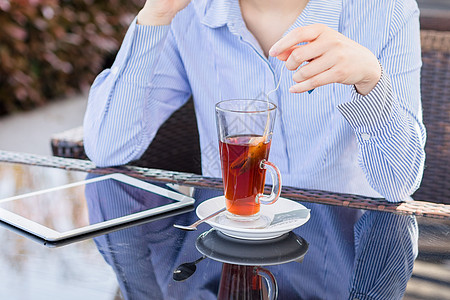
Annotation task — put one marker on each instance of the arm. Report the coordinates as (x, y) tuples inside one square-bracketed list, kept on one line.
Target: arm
[(385, 250), (142, 255), (129, 102), (384, 110), (388, 121)]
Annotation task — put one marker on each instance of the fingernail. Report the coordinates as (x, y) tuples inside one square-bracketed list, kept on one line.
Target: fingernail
[(292, 89), (273, 52)]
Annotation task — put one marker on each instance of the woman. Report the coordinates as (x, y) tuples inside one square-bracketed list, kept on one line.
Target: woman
[(359, 131)]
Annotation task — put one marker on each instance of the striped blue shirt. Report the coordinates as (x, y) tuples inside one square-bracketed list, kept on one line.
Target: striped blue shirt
[(332, 139)]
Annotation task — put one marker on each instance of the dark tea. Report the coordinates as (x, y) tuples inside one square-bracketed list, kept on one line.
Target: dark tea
[(241, 283), (242, 174)]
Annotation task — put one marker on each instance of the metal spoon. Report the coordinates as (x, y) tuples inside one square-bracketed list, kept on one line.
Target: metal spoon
[(193, 226), (184, 271)]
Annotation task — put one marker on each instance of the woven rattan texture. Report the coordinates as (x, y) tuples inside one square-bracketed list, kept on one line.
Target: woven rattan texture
[(435, 20), (435, 88), (417, 208), (176, 146), (69, 144)]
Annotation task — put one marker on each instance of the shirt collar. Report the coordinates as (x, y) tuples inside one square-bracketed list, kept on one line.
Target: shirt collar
[(326, 12), (218, 13)]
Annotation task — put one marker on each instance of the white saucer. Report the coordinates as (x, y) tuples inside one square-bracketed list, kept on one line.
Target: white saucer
[(282, 205)]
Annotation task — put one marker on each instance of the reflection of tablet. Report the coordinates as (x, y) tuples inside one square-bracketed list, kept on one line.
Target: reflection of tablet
[(59, 213)]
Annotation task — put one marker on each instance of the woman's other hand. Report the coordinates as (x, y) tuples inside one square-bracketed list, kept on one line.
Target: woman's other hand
[(160, 12)]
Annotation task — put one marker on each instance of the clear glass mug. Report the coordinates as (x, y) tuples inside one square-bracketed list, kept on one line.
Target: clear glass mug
[(245, 129)]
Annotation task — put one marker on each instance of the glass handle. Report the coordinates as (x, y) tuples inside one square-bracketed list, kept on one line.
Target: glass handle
[(272, 286), (276, 183)]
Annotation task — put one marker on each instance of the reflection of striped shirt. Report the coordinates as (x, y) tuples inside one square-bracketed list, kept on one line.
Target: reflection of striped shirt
[(383, 250), (332, 139)]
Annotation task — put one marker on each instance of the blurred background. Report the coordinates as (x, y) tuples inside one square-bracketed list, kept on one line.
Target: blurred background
[(50, 52)]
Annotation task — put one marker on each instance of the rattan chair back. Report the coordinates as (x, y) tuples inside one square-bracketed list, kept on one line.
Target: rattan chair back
[(435, 89), (176, 146)]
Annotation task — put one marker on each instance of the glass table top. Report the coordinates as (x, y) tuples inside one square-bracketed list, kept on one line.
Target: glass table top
[(337, 251)]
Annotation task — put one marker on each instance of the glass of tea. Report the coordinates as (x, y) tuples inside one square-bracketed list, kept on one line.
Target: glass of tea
[(245, 130)]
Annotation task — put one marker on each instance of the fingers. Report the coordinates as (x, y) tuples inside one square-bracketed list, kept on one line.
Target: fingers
[(298, 35), (285, 55), (295, 55), (313, 68), (326, 77), (312, 83), (160, 12), (331, 58), (306, 53)]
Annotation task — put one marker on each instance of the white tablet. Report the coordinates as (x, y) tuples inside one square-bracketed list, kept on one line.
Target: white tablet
[(87, 206)]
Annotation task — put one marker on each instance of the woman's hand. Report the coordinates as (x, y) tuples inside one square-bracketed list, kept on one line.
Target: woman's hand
[(160, 12), (331, 57)]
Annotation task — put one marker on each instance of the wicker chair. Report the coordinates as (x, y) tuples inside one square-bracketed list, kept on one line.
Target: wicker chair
[(176, 146), (435, 85), (170, 151)]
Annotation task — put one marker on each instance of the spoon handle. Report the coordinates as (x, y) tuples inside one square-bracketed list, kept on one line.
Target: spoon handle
[(194, 225), (199, 259), (208, 217)]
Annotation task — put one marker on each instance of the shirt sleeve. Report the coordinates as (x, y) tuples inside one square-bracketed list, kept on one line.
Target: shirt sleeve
[(123, 114), (386, 246), (388, 121)]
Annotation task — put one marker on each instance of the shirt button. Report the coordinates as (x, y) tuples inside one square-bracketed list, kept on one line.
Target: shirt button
[(114, 70), (365, 136)]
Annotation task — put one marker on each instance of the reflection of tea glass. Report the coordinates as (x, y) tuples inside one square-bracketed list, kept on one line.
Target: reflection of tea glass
[(244, 282), (245, 133)]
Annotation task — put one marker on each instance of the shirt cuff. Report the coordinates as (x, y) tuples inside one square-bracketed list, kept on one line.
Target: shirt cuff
[(359, 296), (374, 115)]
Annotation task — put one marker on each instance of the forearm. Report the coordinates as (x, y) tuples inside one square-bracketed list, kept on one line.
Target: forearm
[(391, 141), (114, 127), (392, 150), (124, 248), (385, 250)]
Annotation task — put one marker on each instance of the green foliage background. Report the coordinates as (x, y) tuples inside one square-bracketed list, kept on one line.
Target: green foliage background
[(53, 48)]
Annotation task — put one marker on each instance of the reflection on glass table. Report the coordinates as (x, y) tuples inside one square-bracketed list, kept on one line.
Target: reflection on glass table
[(240, 282), (142, 258), (372, 259), (21, 211), (242, 270)]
